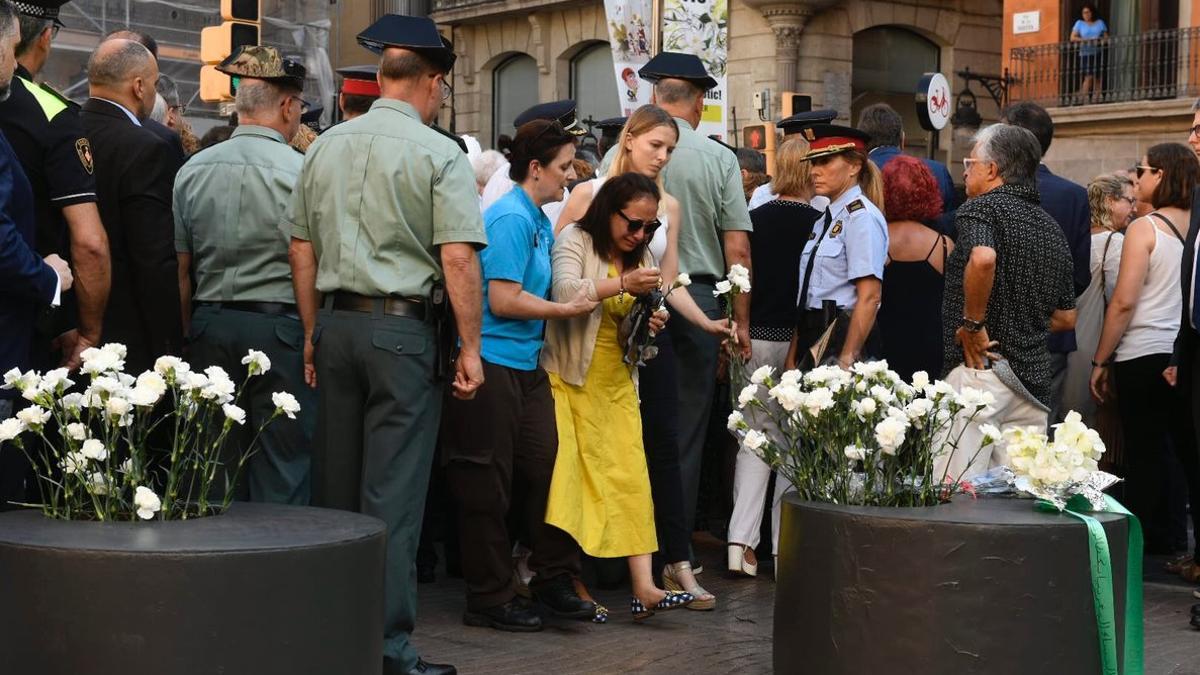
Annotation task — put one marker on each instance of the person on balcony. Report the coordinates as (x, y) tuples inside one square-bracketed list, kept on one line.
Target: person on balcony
[(1088, 31)]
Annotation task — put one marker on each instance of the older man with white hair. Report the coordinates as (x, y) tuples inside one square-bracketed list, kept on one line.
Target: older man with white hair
[(1008, 285), (229, 201)]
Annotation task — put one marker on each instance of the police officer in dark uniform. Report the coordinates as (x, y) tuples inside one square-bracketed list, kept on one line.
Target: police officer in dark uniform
[(44, 129)]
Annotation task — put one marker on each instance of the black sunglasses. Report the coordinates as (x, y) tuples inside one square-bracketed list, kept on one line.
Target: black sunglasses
[(1143, 169), (636, 224)]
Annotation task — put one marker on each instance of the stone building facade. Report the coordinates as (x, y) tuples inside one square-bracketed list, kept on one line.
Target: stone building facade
[(845, 54)]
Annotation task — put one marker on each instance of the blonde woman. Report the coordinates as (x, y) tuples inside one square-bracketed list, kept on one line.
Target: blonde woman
[(781, 228), (1111, 201), (644, 147)]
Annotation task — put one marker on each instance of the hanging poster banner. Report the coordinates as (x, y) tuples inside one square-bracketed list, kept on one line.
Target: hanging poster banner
[(701, 27), (630, 32)]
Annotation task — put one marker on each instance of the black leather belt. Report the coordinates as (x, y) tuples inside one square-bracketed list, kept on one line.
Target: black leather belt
[(706, 279), (287, 309), (414, 309)]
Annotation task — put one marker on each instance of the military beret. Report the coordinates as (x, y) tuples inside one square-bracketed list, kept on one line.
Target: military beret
[(672, 65), (415, 33)]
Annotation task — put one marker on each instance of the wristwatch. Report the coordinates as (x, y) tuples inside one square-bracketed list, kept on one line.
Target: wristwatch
[(973, 326)]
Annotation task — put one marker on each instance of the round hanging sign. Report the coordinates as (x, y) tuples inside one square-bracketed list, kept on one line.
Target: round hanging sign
[(933, 101)]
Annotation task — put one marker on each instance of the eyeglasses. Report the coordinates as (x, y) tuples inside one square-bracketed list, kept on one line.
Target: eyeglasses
[(637, 224), (302, 102), (1143, 169), (968, 162), (54, 30), (1131, 200), (181, 109), (1194, 131), (447, 90)]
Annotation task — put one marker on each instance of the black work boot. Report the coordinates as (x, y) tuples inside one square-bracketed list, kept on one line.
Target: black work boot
[(559, 595), (515, 616)]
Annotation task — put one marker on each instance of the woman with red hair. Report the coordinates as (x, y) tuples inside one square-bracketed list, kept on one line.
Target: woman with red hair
[(910, 316)]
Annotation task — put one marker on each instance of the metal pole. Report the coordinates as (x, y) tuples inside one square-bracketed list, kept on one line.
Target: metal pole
[(656, 33)]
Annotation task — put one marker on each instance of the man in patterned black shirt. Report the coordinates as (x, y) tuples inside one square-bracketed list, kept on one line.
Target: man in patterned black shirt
[(1008, 285)]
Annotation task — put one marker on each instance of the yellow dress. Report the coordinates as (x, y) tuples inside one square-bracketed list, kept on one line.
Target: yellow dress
[(600, 492)]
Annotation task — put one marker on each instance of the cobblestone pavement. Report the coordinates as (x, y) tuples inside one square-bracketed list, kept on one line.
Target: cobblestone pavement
[(735, 638)]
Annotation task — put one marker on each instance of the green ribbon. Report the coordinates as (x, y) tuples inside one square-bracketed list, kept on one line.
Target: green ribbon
[(1100, 561)]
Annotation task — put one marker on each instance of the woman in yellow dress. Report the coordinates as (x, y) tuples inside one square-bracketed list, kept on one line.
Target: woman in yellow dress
[(600, 492)]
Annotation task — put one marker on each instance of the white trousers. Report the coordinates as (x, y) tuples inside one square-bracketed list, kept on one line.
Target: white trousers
[(1010, 409), (751, 474)]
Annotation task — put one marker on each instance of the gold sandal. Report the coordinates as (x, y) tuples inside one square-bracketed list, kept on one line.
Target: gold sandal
[(704, 601)]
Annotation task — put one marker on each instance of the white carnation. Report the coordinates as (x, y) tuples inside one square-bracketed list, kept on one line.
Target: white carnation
[(762, 374), (73, 463), (722, 288), (34, 416), (735, 420), (683, 280), (748, 394), (94, 449), (864, 408), (171, 367), (107, 359), (147, 502), (77, 431), (855, 453), (920, 379), (285, 403), (818, 400), (10, 429), (234, 413), (118, 406), (753, 440), (143, 397), (990, 433), (889, 434), (98, 484), (256, 362)]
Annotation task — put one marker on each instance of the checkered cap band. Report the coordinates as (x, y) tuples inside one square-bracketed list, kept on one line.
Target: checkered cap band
[(36, 11)]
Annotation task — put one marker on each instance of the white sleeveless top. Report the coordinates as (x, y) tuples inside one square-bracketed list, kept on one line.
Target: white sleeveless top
[(658, 243), (1155, 320)]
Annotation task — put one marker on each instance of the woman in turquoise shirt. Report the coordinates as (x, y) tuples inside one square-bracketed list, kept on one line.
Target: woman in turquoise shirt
[(506, 436), (1088, 31)]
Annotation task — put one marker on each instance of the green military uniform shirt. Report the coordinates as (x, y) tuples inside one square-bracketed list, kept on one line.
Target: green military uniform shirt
[(229, 206), (704, 176), (377, 196)]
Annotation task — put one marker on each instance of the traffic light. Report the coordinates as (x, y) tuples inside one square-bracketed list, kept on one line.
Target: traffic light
[(761, 137), (241, 24), (792, 103)]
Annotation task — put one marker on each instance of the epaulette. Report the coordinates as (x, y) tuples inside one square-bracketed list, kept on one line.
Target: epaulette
[(457, 139), (53, 92), (855, 205)]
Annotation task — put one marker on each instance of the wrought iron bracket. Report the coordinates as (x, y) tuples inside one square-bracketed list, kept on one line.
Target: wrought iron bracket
[(996, 85)]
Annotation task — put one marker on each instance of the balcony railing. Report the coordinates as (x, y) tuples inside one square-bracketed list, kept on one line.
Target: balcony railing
[(1160, 64)]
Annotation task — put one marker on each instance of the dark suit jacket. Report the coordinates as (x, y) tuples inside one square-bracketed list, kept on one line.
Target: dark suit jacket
[(945, 223), (1188, 340), (1067, 204), (135, 174), (27, 283), (172, 139)]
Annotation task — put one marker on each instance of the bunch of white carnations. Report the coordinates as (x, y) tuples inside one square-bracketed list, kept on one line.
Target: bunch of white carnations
[(127, 448), (861, 436), (1058, 469)]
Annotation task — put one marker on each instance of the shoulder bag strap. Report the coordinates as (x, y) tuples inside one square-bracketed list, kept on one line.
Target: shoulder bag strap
[(1171, 225), (1104, 272)]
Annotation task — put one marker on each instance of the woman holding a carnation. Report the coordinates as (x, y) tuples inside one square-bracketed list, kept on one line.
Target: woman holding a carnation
[(1138, 339), (841, 269), (600, 492), (645, 147), (506, 435), (781, 228)]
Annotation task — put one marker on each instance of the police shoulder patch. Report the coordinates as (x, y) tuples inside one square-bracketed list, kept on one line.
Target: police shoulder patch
[(855, 205), (84, 150)]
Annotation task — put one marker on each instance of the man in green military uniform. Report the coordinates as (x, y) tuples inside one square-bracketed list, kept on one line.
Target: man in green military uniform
[(229, 201), (385, 210), (704, 176)]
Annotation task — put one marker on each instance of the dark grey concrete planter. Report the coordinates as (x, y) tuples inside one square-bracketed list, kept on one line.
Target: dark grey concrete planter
[(975, 586), (263, 589)]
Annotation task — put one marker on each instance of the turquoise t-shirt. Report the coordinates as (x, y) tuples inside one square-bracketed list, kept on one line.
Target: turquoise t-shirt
[(1090, 31), (519, 240)]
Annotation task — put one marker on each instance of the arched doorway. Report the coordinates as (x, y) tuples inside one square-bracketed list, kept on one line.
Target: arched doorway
[(593, 84), (888, 64), (514, 88)]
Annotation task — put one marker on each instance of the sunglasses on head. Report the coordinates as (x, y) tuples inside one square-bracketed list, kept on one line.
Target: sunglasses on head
[(637, 224)]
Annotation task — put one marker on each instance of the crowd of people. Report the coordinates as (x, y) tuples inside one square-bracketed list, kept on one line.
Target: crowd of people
[(444, 310)]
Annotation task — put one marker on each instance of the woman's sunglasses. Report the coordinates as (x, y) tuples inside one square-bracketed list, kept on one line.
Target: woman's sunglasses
[(636, 224), (1143, 169)]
